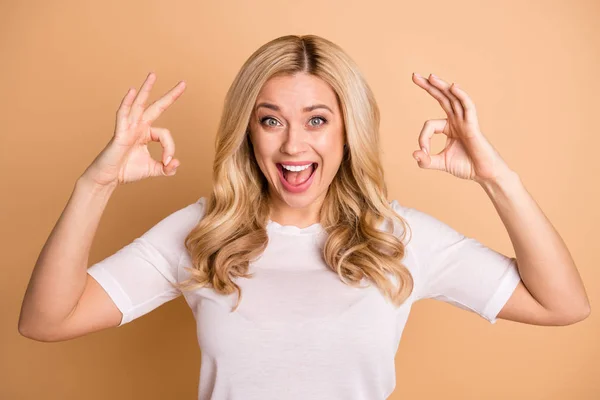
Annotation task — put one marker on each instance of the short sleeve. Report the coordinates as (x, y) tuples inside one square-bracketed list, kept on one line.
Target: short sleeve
[(139, 277), (457, 269)]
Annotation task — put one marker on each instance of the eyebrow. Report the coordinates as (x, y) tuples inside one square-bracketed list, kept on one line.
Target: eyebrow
[(305, 109)]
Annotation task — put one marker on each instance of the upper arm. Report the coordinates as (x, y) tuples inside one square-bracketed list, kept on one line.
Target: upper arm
[(523, 307), (135, 280), (94, 312), (458, 269)]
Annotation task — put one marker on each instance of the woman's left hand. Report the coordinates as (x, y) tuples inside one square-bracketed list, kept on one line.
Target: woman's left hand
[(467, 154)]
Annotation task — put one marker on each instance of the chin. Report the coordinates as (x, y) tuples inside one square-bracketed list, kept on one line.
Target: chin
[(298, 200)]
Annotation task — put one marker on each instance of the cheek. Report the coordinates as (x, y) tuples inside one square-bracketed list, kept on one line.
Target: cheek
[(263, 152), (330, 145), (265, 145), (332, 152)]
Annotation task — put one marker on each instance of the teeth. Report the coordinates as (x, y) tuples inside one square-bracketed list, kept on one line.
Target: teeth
[(296, 168)]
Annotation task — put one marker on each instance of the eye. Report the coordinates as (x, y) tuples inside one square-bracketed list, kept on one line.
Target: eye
[(323, 121), (262, 121)]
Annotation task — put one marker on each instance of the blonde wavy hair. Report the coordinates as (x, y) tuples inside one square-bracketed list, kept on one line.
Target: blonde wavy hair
[(232, 232)]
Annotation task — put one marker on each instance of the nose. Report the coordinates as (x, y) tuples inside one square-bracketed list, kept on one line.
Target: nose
[(295, 140)]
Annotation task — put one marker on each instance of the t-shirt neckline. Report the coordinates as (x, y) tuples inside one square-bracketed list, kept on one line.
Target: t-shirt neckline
[(292, 229)]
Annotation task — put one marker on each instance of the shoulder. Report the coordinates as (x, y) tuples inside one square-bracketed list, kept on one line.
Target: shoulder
[(188, 217), (197, 208), (423, 227), (427, 232), (417, 218), (405, 211), (406, 215), (173, 228)]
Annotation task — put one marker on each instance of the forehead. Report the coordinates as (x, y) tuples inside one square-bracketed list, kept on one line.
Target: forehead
[(297, 91)]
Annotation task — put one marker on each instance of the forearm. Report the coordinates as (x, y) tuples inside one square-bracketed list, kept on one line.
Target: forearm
[(59, 275), (544, 262)]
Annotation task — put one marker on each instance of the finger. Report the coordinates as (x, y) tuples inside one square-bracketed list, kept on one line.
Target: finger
[(467, 103), (445, 88), (431, 127), (138, 105), (160, 105), (125, 106), (160, 170), (169, 170), (436, 161), (163, 136), (424, 157), (435, 93)]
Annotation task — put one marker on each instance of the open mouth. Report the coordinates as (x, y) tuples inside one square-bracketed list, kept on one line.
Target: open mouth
[(297, 181)]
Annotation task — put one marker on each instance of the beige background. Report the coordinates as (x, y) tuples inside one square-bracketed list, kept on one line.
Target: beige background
[(530, 66)]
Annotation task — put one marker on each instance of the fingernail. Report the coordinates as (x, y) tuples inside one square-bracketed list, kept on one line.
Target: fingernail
[(425, 150), (168, 160), (417, 158)]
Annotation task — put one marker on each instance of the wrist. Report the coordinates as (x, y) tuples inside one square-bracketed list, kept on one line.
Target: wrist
[(501, 182), (92, 185)]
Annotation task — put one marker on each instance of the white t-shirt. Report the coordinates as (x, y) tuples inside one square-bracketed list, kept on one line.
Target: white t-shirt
[(299, 331)]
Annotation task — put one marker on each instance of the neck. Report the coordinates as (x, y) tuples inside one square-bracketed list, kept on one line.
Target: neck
[(301, 217)]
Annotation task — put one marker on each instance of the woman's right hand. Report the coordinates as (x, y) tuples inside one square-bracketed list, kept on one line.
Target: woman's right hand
[(126, 157)]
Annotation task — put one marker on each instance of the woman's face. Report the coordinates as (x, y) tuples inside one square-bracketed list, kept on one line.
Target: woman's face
[(297, 133)]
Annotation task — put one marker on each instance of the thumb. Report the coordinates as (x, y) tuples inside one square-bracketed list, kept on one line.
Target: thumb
[(159, 169), (426, 161)]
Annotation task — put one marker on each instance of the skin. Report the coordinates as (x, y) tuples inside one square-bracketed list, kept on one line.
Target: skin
[(551, 291), (294, 134)]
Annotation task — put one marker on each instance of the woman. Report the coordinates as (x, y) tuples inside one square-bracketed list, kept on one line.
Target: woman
[(299, 271)]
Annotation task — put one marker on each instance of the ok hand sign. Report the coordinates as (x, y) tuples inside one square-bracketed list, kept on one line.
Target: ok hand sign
[(467, 154), (126, 157)]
